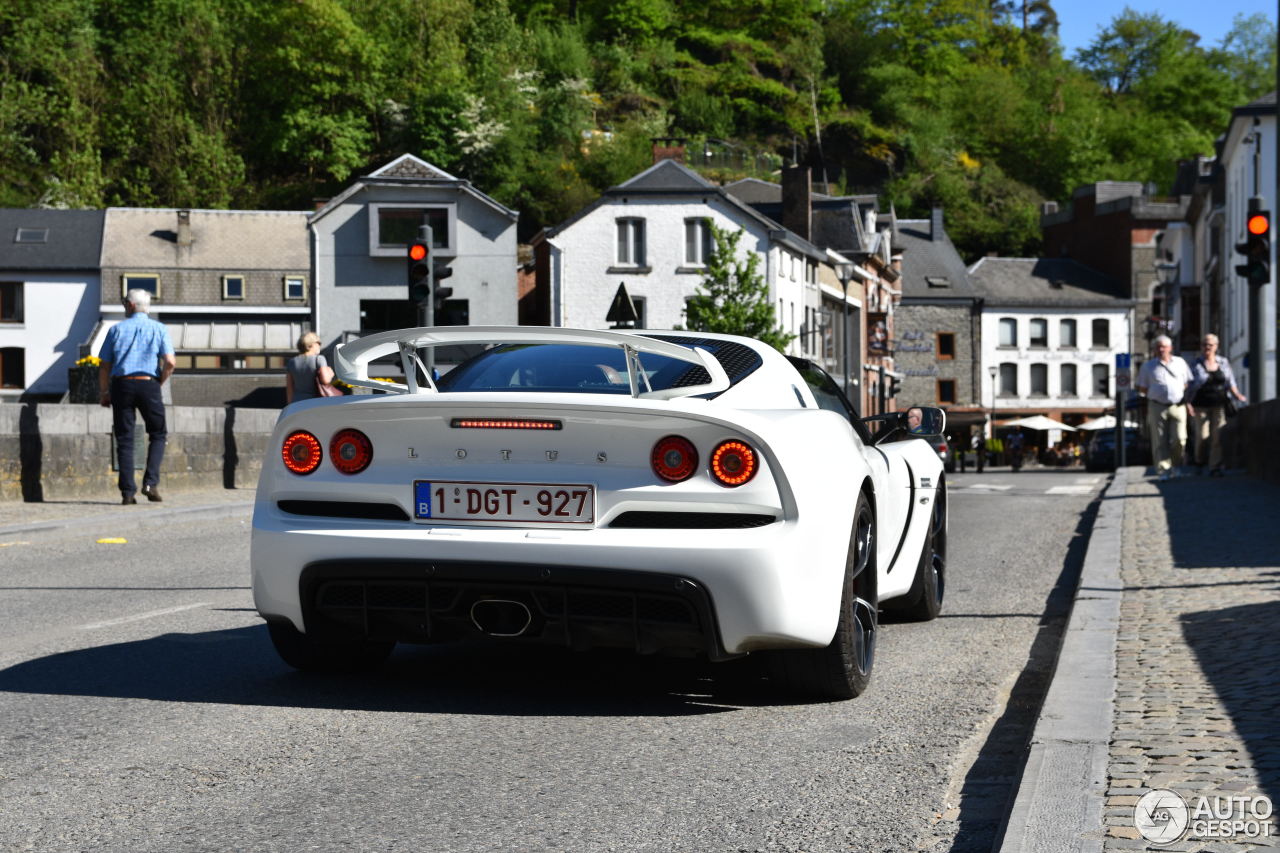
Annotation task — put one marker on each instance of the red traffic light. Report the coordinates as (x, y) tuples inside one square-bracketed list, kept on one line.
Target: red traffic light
[(1259, 223), (417, 251)]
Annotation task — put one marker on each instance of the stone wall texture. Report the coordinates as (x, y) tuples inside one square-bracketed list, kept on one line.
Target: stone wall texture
[(51, 451), (916, 329)]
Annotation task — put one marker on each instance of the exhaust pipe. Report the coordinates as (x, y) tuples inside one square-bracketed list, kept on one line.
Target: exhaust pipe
[(500, 617)]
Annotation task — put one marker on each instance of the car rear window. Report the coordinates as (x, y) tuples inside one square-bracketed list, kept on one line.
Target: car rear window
[(577, 368)]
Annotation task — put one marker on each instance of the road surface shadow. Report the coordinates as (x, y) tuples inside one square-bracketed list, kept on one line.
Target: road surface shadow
[(1239, 652), (238, 666)]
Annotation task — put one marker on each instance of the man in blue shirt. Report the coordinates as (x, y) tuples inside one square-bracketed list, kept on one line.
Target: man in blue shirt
[(137, 357)]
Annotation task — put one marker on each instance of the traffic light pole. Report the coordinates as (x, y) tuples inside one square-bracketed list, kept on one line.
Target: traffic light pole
[(428, 306)]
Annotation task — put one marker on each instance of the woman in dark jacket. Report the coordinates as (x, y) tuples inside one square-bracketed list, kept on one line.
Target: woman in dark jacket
[(1211, 382)]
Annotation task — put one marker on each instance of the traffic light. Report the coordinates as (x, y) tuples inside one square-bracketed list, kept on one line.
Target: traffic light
[(419, 272), (895, 385), (1256, 247)]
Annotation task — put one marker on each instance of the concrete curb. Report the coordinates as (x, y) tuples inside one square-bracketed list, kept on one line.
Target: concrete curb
[(148, 517), (1059, 802)]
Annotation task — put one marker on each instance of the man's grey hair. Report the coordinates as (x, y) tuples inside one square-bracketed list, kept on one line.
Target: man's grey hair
[(139, 299), (1164, 339)]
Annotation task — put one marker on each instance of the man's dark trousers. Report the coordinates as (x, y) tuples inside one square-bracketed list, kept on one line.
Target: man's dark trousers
[(130, 395)]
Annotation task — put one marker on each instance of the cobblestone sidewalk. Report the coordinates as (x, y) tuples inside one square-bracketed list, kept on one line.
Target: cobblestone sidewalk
[(1198, 660)]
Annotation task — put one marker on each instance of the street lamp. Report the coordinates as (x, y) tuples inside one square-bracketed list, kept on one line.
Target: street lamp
[(845, 272), (991, 371)]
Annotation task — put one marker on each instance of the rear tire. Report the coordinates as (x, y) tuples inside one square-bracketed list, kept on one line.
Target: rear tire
[(841, 670), (327, 654)]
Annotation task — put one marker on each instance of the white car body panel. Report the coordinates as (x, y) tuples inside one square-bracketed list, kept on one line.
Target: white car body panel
[(771, 586)]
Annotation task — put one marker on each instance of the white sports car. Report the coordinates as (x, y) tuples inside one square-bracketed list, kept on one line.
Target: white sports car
[(668, 492)]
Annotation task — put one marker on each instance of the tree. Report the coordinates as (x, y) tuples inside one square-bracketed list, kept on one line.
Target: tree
[(732, 297)]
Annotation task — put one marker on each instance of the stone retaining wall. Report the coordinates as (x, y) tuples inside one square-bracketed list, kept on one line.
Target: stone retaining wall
[(1249, 440), (63, 451)]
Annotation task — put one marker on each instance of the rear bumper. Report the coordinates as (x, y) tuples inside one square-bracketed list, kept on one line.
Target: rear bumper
[(718, 592), (581, 608)]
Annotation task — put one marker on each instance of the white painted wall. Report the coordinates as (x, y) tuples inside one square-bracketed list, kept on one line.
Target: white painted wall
[(1084, 356), (1238, 163), (58, 314), (585, 273)]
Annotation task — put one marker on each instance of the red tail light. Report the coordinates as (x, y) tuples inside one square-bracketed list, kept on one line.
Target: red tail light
[(351, 451), (301, 452), (733, 463), (674, 458), (942, 448)]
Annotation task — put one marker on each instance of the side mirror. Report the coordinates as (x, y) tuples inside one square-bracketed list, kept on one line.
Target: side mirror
[(932, 422)]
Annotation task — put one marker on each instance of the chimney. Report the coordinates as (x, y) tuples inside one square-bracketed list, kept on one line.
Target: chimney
[(797, 211), (668, 148), (935, 223), (184, 228)]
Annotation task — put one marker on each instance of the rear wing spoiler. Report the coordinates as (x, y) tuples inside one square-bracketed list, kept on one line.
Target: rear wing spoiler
[(352, 359)]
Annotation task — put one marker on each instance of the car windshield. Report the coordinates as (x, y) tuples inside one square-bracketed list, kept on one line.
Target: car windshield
[(573, 368)]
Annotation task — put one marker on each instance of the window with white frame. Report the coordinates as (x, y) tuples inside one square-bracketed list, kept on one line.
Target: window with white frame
[(392, 227), (1039, 337), (1101, 381), (631, 242), (1008, 332), (149, 282), (10, 302), (1067, 381), (697, 241), (1067, 334), (1039, 380), (1101, 334), (295, 287), (1008, 380), (233, 287), (13, 367)]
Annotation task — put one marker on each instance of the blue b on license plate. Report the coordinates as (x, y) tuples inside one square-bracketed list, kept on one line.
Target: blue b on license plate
[(526, 503)]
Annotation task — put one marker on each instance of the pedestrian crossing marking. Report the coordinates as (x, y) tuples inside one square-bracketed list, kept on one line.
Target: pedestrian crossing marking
[(1069, 490), (1089, 480), (997, 487)]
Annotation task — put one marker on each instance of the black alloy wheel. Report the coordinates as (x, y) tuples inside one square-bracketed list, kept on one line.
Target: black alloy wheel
[(841, 670)]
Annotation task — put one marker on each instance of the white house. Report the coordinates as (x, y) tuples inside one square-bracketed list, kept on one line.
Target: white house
[(1051, 329), (1248, 159), (651, 234), (49, 293), (360, 239)]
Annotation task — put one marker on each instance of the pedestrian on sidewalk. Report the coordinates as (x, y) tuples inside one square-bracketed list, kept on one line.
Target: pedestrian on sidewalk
[(307, 371), (979, 448), (136, 359), (1164, 380), (1212, 382)]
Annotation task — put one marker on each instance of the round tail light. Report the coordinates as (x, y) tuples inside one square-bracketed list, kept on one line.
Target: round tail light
[(733, 463), (301, 452), (351, 451), (674, 458)]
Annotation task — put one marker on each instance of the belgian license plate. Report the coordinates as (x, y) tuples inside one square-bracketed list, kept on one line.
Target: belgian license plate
[(533, 503)]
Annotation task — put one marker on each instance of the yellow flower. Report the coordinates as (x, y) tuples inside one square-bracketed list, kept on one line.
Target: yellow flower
[(89, 361)]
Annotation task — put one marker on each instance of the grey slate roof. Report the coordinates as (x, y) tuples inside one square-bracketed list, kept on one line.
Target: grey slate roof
[(146, 238), (837, 220), (669, 178), (1045, 281), (65, 239), (931, 269)]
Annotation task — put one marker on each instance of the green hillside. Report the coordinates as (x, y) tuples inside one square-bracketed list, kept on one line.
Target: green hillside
[(543, 103)]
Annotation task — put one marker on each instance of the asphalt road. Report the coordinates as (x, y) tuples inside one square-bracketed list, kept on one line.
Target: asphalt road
[(142, 708)]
